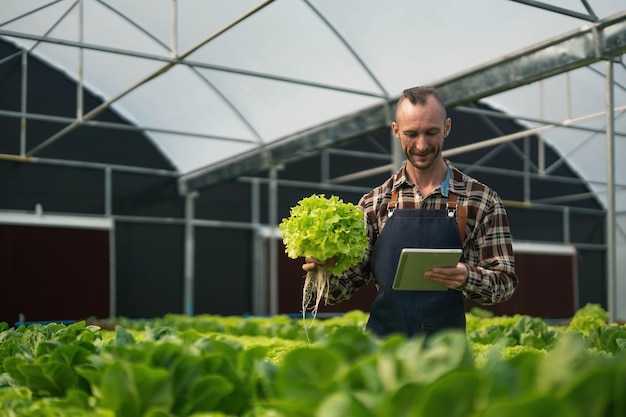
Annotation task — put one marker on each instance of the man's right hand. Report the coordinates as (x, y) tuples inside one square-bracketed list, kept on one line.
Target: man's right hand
[(310, 263)]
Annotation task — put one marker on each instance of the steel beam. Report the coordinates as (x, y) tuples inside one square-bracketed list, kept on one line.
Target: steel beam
[(290, 148), (596, 42)]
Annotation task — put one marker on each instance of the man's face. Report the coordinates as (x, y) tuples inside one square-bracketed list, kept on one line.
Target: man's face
[(421, 130)]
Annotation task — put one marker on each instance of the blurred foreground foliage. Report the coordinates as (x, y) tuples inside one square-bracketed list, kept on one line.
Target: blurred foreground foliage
[(264, 366)]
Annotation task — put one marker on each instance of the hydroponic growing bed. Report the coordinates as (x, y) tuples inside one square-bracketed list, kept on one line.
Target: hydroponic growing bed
[(265, 366)]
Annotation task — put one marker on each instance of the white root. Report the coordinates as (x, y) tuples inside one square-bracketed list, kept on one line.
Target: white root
[(316, 282)]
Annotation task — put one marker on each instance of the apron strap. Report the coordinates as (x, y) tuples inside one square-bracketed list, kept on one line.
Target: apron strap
[(392, 203), (460, 209), (461, 214)]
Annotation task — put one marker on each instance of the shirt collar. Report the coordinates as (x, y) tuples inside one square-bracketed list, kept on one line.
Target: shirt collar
[(401, 179), (445, 184)]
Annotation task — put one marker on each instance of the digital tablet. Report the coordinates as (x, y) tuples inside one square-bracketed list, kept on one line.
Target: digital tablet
[(414, 262)]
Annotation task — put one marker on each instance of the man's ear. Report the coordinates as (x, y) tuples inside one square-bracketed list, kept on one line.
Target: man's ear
[(447, 127), (394, 129)]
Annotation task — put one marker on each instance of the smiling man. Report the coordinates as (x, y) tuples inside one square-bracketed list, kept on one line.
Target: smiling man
[(428, 203)]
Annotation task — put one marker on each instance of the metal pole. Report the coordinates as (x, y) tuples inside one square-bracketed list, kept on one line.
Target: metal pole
[(174, 30), (259, 256), (325, 166), (541, 148), (527, 156), (158, 72), (188, 296), (273, 249), (108, 212), (81, 66), (611, 254), (23, 103), (397, 156)]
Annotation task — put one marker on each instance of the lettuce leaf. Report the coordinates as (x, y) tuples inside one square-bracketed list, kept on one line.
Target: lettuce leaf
[(323, 228)]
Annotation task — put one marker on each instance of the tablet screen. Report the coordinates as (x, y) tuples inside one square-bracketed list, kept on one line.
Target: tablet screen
[(414, 262)]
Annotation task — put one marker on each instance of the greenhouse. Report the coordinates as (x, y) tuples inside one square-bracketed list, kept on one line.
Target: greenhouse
[(151, 148), (153, 153)]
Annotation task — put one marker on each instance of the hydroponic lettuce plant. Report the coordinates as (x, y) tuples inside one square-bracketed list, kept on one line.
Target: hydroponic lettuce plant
[(326, 229)]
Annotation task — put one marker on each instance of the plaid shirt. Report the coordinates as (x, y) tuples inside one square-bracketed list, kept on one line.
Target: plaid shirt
[(487, 246)]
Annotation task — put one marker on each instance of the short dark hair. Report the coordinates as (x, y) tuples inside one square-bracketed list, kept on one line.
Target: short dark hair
[(418, 95)]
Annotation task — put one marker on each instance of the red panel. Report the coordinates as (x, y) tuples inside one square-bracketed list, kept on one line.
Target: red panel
[(291, 281), (546, 287), (53, 273)]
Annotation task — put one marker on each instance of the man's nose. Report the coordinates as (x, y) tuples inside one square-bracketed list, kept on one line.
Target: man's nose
[(421, 144)]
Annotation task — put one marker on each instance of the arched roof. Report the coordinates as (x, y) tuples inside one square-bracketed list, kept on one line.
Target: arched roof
[(209, 82)]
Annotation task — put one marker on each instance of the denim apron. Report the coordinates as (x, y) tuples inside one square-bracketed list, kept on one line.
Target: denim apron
[(414, 312)]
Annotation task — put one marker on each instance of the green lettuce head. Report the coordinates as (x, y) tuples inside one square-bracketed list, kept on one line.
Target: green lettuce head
[(323, 227)]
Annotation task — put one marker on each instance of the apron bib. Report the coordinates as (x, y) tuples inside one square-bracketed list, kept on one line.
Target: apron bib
[(414, 312)]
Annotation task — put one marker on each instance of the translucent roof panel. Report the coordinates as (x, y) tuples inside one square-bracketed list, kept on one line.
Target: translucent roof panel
[(577, 100), (208, 81)]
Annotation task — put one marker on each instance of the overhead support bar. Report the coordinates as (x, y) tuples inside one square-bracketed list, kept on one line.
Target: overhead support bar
[(343, 40), (119, 126), (569, 123), (163, 69), (525, 133), (593, 43), (288, 149), (183, 60), (545, 6), (87, 164)]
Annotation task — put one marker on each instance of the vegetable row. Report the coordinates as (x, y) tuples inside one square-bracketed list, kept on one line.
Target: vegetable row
[(265, 366)]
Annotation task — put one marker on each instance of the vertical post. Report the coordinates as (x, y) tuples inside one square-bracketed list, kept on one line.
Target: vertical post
[(81, 66), (273, 250), (567, 239), (259, 257), (611, 254), (188, 293), (108, 212), (527, 182), (397, 157), (325, 166), (23, 105), (566, 225), (541, 147), (174, 30), (541, 155)]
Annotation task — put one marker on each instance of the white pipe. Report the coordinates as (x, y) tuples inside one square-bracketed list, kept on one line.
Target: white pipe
[(521, 134), (23, 103), (188, 296), (273, 249), (174, 30), (81, 63), (611, 253)]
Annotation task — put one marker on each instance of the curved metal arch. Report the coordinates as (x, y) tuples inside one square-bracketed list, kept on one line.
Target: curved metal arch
[(590, 17), (168, 66), (349, 47)]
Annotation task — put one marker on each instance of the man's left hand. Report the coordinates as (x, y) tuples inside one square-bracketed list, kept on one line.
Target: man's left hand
[(452, 278)]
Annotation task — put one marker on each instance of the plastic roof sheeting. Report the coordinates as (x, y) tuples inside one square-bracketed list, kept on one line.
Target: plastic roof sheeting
[(577, 98), (210, 81)]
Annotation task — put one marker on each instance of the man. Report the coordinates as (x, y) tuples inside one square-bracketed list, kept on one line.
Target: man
[(416, 207)]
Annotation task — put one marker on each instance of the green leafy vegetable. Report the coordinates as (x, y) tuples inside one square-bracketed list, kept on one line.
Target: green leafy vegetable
[(588, 318), (323, 228), (220, 366), (326, 229)]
